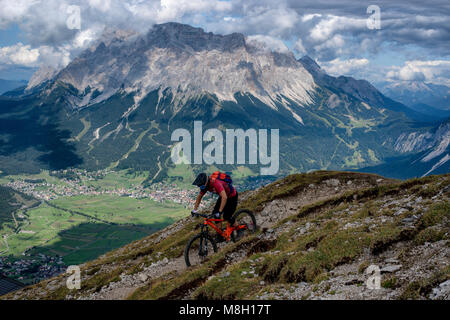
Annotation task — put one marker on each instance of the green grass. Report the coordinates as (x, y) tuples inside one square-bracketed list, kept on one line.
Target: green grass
[(422, 287), (77, 238), (438, 213), (87, 241), (234, 286), (86, 127), (182, 175), (49, 227), (118, 179), (44, 174), (122, 210), (296, 182)]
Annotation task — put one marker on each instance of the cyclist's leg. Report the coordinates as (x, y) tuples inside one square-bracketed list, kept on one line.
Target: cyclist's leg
[(217, 205), (230, 208), (219, 238)]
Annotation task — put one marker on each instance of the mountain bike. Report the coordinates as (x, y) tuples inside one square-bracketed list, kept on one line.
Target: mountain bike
[(202, 244)]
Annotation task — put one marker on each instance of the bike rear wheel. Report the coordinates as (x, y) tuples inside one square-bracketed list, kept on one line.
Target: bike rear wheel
[(247, 218), (198, 248)]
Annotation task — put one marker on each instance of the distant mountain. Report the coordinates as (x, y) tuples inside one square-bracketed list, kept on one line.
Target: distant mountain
[(118, 102), (362, 90), (426, 153), (430, 111), (423, 97), (7, 85)]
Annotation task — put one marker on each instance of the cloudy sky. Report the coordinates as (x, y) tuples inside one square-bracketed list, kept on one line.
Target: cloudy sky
[(410, 41)]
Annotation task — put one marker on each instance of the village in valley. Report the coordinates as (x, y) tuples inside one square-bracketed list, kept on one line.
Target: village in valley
[(32, 269), (74, 182)]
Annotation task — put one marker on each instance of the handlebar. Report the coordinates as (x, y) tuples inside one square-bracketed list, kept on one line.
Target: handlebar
[(207, 216)]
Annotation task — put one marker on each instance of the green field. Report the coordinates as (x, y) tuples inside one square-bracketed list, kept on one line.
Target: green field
[(117, 179), (58, 228), (44, 174), (113, 179), (87, 241), (122, 210)]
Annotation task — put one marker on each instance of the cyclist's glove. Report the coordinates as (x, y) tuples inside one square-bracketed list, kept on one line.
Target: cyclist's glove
[(217, 215), (193, 212)]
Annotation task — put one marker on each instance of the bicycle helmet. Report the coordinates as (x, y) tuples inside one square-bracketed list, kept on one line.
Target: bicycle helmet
[(201, 180)]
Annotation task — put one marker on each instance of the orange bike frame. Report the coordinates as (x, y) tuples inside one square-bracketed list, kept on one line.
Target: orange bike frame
[(228, 230)]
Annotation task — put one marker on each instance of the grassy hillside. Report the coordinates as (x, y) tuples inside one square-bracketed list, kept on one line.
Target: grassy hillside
[(319, 232), (11, 201)]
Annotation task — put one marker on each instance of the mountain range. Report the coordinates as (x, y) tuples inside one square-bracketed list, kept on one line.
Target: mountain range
[(117, 103), (427, 98)]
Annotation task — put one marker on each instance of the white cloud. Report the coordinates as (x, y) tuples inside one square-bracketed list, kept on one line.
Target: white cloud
[(299, 48), (341, 67), (308, 17), (335, 43), (229, 19), (327, 27), (19, 54), (85, 37), (13, 11), (434, 71), (172, 10), (56, 58), (24, 55), (101, 5)]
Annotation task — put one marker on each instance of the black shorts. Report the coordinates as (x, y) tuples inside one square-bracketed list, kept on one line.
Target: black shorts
[(230, 207)]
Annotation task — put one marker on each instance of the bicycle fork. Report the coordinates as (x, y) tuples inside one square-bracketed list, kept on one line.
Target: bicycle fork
[(203, 251), (203, 247)]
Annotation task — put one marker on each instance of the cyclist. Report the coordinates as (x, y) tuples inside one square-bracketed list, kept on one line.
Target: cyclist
[(226, 203)]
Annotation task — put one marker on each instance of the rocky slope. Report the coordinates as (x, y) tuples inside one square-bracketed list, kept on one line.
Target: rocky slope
[(318, 234)]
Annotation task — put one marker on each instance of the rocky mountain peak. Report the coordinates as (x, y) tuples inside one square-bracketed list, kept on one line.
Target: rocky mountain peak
[(189, 62), (186, 37), (310, 64), (43, 74)]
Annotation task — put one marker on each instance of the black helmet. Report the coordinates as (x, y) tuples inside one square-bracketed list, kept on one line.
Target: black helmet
[(201, 180)]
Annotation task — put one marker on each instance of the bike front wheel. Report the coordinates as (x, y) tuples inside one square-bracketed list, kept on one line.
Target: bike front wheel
[(198, 248), (246, 218)]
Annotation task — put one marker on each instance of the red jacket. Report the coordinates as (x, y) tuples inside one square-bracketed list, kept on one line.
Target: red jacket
[(218, 186)]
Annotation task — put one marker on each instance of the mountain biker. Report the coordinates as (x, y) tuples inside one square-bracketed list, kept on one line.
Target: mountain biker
[(226, 203)]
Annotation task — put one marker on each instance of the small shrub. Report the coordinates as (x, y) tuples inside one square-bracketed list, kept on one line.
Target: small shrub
[(436, 214), (429, 235), (363, 266), (390, 283)]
